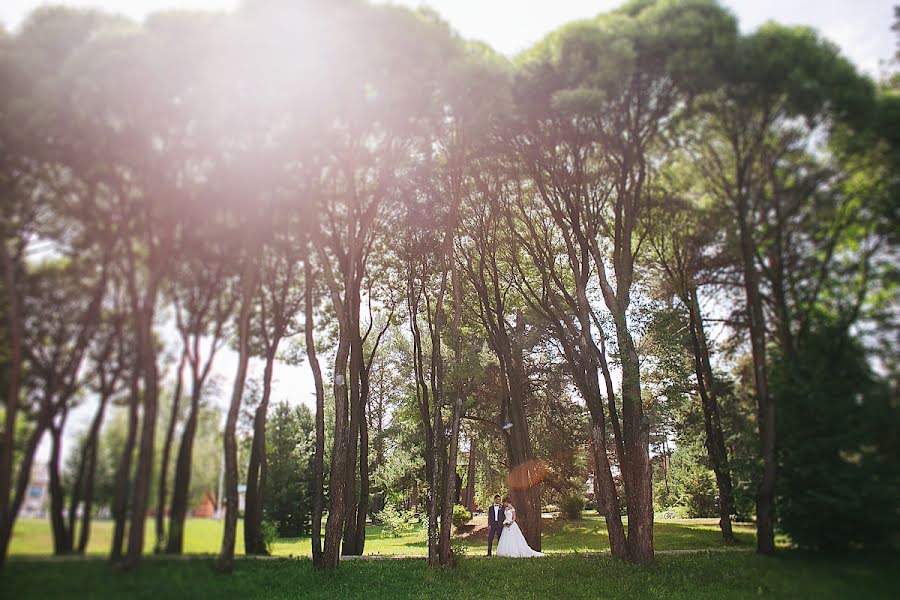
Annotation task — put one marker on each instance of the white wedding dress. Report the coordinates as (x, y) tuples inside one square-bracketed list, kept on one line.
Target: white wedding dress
[(512, 543)]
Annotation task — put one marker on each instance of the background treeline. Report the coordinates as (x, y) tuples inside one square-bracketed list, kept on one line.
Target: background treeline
[(650, 249)]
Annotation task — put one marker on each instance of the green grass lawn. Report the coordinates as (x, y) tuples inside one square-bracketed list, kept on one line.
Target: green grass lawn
[(203, 536), (694, 577)]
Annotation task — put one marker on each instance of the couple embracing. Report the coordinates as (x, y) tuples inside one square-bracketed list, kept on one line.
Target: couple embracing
[(502, 524)]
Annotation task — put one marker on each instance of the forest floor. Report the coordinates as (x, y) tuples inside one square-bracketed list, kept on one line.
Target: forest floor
[(789, 574), (32, 537)]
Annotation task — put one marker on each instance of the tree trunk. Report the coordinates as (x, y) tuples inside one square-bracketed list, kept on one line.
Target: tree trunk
[(362, 506), (22, 480), (765, 494), (470, 477), (636, 467), (90, 470), (13, 391), (164, 465), (182, 480), (450, 491), (123, 471), (62, 535), (225, 560), (334, 526), (83, 488), (253, 509), (530, 488), (715, 438), (349, 547), (319, 460), (144, 470)]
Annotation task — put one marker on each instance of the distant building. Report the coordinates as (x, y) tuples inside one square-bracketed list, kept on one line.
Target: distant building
[(206, 508), (37, 496)]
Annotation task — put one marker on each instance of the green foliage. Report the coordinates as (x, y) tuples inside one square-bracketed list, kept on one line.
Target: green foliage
[(690, 491), (696, 490), (571, 506), (397, 522), (269, 535), (289, 480), (461, 516), (838, 450)]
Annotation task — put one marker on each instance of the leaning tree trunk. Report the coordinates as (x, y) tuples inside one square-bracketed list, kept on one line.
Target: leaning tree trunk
[(123, 471), (62, 535), (319, 459), (83, 488), (715, 439), (225, 560), (253, 508), (164, 464), (765, 494), (90, 471), (22, 480), (181, 485)]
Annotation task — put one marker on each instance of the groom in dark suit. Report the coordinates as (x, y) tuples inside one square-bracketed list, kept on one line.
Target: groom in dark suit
[(496, 516)]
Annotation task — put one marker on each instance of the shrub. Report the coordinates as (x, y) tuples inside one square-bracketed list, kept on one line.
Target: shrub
[(397, 522), (461, 516), (269, 535), (571, 507)]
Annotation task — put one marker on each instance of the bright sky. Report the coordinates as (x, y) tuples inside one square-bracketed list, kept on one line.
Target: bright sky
[(860, 27)]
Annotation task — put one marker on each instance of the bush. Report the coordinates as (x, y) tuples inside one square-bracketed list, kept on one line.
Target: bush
[(571, 507), (269, 535), (698, 491), (461, 516), (397, 522)]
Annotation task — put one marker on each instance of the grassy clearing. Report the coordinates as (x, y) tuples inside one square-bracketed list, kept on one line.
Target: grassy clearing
[(695, 577), (203, 536)]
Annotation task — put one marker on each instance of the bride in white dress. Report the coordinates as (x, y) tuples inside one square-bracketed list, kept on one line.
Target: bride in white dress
[(512, 542)]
